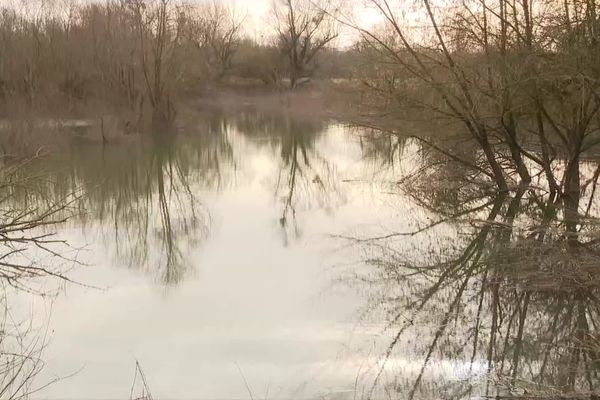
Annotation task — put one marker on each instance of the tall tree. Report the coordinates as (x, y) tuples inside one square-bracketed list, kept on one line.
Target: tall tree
[(216, 31), (304, 28)]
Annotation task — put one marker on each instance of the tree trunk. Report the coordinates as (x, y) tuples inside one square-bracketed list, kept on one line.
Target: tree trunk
[(491, 158)]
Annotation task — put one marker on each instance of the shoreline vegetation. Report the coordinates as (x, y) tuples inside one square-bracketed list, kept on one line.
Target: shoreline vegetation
[(28, 134), (142, 60)]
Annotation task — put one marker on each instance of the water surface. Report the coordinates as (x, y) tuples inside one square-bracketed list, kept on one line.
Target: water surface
[(259, 255), (216, 262)]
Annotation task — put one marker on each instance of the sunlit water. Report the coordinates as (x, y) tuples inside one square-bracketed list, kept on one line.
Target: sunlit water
[(214, 263)]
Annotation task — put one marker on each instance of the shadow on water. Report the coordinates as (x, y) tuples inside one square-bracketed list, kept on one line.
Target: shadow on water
[(491, 295)]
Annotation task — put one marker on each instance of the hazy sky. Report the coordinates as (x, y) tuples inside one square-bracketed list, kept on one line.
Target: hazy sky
[(259, 16), (258, 21)]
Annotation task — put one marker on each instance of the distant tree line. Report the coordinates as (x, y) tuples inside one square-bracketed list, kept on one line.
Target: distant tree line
[(139, 55)]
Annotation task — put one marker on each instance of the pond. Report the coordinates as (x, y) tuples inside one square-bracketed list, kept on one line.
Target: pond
[(262, 255)]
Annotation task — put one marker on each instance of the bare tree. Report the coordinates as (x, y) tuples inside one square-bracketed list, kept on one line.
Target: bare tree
[(159, 25), (31, 253), (215, 31), (22, 347), (516, 82), (304, 28), (503, 71)]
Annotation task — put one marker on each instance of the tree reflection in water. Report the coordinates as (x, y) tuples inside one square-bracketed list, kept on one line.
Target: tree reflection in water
[(305, 179), (496, 295), (304, 176), (143, 198), (153, 198)]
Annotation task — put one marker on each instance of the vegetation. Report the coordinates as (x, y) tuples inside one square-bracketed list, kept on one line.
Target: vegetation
[(140, 56), (31, 256), (509, 92), (303, 29), (510, 74)]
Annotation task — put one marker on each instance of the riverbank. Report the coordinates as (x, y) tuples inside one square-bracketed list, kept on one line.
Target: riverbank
[(29, 130)]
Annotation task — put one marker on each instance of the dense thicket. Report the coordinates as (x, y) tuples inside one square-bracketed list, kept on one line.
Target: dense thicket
[(519, 77), (138, 56)]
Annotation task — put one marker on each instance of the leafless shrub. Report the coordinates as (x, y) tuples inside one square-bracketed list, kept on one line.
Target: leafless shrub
[(31, 254)]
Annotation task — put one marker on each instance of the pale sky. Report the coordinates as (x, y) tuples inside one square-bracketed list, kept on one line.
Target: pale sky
[(258, 14), (259, 23)]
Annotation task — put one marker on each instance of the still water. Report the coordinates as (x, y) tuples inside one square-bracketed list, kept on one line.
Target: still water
[(214, 262), (256, 255)]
